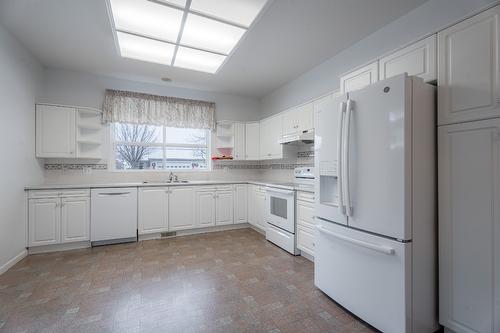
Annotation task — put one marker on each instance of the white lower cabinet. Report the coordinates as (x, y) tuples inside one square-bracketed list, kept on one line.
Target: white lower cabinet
[(305, 222), (75, 219), (44, 221), (469, 226), (224, 207), (180, 208), (260, 208), (205, 207), (153, 210), (57, 219), (240, 203)]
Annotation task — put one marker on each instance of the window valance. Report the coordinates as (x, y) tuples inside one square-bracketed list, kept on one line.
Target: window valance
[(138, 108)]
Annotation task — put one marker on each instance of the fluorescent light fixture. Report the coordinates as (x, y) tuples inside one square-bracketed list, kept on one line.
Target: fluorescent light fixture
[(145, 49), (147, 18), (192, 34), (198, 60), (207, 34), (180, 3), (241, 12)]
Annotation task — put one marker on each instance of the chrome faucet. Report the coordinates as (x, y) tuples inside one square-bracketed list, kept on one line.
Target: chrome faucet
[(172, 177)]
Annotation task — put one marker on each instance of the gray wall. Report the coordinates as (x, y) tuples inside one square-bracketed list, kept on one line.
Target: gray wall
[(20, 79), (83, 89), (428, 18)]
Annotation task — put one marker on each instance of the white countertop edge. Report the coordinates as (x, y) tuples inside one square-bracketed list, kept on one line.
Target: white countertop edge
[(155, 184)]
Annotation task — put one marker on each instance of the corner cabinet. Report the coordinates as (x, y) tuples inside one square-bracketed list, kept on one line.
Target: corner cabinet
[(469, 226), (468, 69), (359, 78), (240, 203), (252, 141), (239, 141)]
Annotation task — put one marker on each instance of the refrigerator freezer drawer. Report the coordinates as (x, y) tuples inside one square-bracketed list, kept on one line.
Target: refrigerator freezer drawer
[(282, 238), (367, 274)]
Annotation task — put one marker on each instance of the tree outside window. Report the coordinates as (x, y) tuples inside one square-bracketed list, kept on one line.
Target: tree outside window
[(147, 147)]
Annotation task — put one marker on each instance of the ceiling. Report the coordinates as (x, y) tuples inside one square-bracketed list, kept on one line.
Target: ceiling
[(291, 37)]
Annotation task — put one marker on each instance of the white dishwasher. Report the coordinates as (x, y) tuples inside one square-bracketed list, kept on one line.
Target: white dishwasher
[(113, 215)]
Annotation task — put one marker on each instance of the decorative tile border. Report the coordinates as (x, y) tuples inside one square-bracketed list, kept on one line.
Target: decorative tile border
[(62, 166), (304, 154), (276, 166)]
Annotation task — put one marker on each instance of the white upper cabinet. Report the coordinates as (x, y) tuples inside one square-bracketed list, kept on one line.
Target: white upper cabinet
[(239, 141), (469, 226), (305, 116), (270, 133), (68, 132), (359, 78), (224, 207), (181, 208), (205, 207), (55, 131), (75, 219), (468, 69), (240, 203), (418, 59), (153, 210), (252, 141), (297, 120)]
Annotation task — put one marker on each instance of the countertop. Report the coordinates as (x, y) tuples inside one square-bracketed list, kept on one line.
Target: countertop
[(270, 183)]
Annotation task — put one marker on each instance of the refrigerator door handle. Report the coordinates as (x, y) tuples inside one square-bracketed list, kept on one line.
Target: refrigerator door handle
[(345, 158), (339, 158), (375, 247)]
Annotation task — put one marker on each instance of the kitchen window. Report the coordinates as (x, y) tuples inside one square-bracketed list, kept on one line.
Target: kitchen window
[(148, 147)]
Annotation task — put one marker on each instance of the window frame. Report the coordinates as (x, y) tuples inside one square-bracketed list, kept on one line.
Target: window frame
[(164, 145)]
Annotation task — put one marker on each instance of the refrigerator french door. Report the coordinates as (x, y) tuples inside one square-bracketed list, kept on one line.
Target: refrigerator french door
[(375, 240)]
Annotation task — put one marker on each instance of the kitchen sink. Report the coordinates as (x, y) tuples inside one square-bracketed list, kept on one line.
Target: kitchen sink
[(168, 182)]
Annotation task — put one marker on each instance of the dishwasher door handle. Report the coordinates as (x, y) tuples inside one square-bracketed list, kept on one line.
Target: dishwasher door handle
[(113, 194)]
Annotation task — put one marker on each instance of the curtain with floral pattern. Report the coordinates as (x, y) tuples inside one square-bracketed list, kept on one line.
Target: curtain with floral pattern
[(139, 108)]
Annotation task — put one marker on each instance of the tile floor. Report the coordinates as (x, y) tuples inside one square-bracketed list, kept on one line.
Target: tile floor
[(231, 281)]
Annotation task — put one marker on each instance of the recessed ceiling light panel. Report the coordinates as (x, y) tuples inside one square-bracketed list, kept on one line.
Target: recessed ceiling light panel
[(145, 49), (198, 60), (147, 18), (204, 33), (241, 12)]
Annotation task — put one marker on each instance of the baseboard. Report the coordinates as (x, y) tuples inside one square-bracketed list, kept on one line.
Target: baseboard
[(259, 230), (59, 247), (158, 235), (5, 267), (212, 229), (307, 256)]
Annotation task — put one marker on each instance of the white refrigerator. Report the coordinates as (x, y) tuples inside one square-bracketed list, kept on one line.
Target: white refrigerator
[(375, 248)]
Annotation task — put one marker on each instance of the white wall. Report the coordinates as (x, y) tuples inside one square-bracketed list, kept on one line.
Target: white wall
[(83, 89), (20, 79), (428, 18)]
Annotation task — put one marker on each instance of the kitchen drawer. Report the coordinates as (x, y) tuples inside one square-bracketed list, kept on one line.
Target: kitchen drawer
[(206, 188), (59, 193), (305, 214), (305, 240), (225, 188), (305, 196)]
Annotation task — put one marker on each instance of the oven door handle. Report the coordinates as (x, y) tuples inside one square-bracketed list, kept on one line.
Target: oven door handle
[(276, 190)]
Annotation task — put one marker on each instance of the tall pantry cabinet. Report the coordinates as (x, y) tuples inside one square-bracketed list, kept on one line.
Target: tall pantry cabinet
[(469, 174)]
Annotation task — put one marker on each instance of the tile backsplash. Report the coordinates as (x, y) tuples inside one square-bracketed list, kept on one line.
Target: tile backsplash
[(59, 172)]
